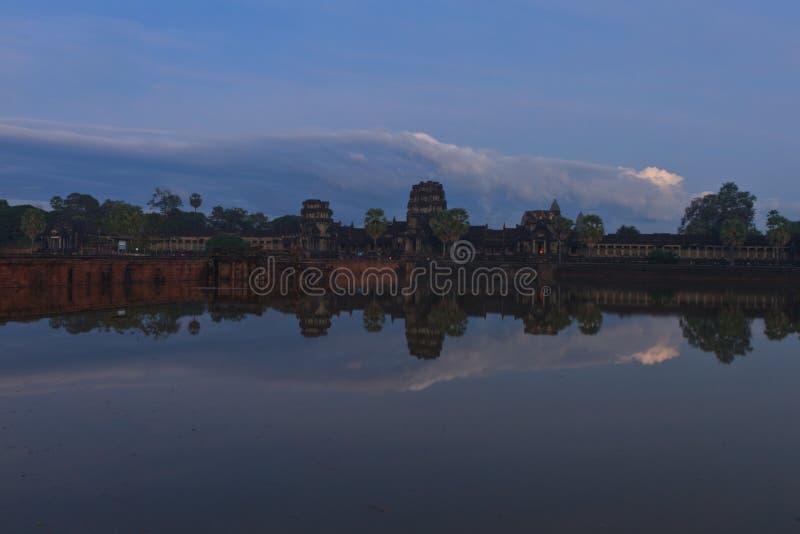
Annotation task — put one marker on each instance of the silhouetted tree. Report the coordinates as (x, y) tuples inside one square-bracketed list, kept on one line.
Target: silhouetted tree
[(195, 201), (705, 215), (628, 231), (374, 317), (33, 224), (592, 230), (165, 201), (779, 231), (449, 225), (561, 228), (732, 234), (727, 334), (375, 224)]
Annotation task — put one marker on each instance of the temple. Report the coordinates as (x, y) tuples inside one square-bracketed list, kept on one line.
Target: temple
[(315, 234)]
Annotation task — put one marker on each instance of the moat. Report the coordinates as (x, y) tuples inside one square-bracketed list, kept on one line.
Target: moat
[(163, 407)]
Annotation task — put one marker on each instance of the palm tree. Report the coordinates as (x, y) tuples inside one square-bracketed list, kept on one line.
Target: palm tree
[(592, 230), (561, 228), (779, 231), (375, 224), (449, 225), (32, 224), (195, 200), (733, 232)]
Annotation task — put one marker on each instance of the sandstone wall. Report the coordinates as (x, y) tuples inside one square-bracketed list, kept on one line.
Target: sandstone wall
[(45, 271)]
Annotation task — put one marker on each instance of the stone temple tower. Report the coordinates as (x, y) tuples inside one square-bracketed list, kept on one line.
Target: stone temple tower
[(316, 219), (426, 199)]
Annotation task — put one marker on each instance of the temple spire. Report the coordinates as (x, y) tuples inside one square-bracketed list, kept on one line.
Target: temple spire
[(555, 207)]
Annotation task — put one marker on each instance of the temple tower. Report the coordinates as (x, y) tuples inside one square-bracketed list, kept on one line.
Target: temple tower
[(425, 200), (316, 219)]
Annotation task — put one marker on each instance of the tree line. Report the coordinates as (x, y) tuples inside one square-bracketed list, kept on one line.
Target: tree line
[(82, 220), (727, 216)]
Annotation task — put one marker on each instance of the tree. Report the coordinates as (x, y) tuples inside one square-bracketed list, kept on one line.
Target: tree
[(33, 224), (165, 201), (779, 231), (77, 214), (590, 318), (592, 230), (727, 333), (735, 204), (628, 231), (732, 234), (194, 327), (237, 220), (375, 224), (705, 215), (222, 242), (561, 228), (258, 221), (195, 200), (449, 225), (121, 219), (374, 317)]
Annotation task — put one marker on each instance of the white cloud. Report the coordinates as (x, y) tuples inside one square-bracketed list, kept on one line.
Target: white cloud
[(660, 177), (349, 168), (656, 354)]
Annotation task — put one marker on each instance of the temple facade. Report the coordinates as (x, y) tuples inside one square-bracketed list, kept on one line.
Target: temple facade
[(316, 234)]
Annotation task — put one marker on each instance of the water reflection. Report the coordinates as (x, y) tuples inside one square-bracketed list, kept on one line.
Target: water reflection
[(719, 322), (177, 409)]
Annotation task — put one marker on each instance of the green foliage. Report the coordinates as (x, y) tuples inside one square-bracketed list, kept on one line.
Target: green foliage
[(222, 242), (374, 317), (727, 334), (663, 257), (779, 229), (733, 232), (285, 225), (561, 228), (590, 319), (195, 201), (11, 223), (77, 215), (121, 219), (237, 220), (375, 223), (592, 230), (165, 201), (194, 327), (449, 319), (449, 225), (628, 231), (32, 223), (706, 215), (178, 223), (778, 325)]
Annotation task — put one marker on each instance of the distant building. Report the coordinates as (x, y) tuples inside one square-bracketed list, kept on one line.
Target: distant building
[(316, 234)]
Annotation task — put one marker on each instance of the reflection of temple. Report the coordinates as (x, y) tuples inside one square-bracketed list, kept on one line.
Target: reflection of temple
[(425, 340), (716, 321), (314, 316)]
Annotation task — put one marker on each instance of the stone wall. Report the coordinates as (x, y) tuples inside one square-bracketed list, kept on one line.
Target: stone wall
[(33, 271)]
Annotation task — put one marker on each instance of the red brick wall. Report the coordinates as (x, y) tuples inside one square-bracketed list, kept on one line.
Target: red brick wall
[(47, 272)]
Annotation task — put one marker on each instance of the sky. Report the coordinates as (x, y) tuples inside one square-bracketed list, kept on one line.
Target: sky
[(626, 109)]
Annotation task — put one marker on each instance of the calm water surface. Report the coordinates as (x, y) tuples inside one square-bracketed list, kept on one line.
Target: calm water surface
[(614, 410)]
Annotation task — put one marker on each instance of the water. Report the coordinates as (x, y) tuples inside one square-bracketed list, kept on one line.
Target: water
[(605, 410)]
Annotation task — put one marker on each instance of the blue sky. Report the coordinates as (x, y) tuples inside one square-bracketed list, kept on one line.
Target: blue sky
[(264, 103)]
